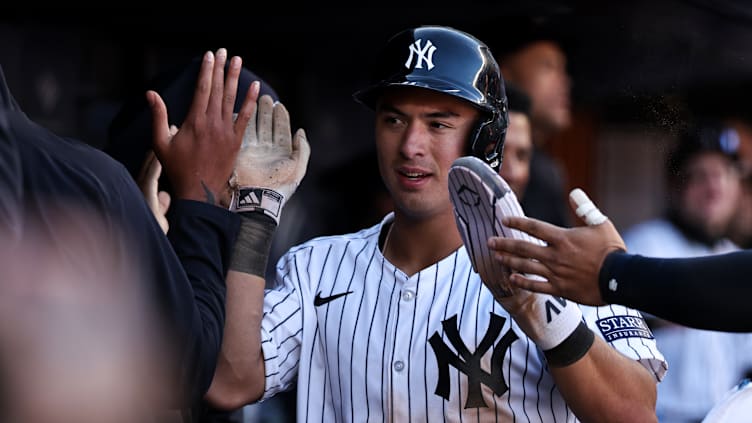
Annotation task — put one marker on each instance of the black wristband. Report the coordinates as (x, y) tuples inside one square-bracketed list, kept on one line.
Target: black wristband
[(571, 349), (253, 244)]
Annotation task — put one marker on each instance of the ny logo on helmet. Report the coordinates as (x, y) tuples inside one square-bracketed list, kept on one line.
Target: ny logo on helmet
[(420, 55)]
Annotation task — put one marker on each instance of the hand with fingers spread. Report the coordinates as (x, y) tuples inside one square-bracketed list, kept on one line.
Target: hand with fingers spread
[(200, 158), (271, 163), (571, 260), (270, 166)]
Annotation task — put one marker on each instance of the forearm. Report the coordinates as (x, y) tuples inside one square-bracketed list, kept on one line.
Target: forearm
[(702, 292), (626, 392), (269, 168), (239, 377)]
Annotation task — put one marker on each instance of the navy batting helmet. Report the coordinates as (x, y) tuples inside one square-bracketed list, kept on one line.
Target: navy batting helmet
[(450, 61)]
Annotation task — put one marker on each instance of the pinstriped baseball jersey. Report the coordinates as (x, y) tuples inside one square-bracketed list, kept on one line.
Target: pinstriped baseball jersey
[(365, 342)]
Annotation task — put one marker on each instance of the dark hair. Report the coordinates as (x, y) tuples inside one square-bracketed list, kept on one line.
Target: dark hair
[(516, 34), (704, 137), (517, 99)]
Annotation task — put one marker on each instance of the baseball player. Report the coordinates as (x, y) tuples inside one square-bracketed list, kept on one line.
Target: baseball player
[(392, 323)]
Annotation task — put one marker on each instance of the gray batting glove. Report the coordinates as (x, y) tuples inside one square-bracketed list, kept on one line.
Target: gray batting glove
[(271, 162)]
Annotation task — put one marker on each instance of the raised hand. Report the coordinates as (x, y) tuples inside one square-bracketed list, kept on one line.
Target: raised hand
[(200, 158), (271, 163)]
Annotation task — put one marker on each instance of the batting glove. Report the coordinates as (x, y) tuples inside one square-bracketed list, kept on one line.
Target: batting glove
[(271, 162), (270, 166)]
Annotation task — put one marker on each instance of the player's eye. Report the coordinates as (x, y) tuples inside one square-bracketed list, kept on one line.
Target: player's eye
[(392, 120)]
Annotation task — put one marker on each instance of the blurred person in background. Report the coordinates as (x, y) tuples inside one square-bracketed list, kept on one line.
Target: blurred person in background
[(50, 179), (78, 341), (740, 231), (518, 144), (704, 189), (533, 59)]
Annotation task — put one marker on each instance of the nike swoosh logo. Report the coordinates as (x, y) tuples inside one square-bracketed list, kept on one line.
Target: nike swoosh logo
[(319, 300)]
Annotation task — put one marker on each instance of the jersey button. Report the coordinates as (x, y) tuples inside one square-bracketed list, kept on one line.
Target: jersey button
[(408, 296), (399, 366)]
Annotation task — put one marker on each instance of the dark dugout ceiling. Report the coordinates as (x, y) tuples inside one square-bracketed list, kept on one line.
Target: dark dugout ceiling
[(698, 52), (649, 47), (699, 48)]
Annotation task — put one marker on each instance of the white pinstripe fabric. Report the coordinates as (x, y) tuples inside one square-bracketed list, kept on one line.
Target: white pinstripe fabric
[(367, 355)]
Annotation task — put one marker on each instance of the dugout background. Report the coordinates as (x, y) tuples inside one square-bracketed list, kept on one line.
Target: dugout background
[(639, 69)]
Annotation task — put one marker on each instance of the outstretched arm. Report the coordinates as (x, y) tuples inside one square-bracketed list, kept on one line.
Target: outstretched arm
[(201, 233), (710, 292), (588, 265), (270, 166)]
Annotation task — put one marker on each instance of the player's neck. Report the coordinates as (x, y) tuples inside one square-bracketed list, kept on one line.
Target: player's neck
[(412, 245)]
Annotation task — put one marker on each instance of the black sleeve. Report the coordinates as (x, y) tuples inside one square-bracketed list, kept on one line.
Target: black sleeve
[(194, 290), (49, 176), (709, 292), (186, 272)]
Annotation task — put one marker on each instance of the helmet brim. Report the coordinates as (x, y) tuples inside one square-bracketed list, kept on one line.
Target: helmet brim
[(369, 96)]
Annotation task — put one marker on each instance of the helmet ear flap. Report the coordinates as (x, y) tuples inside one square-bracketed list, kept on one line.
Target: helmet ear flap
[(487, 140)]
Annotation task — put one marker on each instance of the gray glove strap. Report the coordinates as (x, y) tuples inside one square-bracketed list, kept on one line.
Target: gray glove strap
[(253, 244)]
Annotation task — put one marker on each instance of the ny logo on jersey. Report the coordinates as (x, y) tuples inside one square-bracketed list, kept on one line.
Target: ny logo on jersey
[(421, 55), (470, 363)]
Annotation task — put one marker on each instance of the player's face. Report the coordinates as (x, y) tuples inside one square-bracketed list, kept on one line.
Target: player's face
[(518, 150), (541, 70), (711, 192), (419, 133)]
